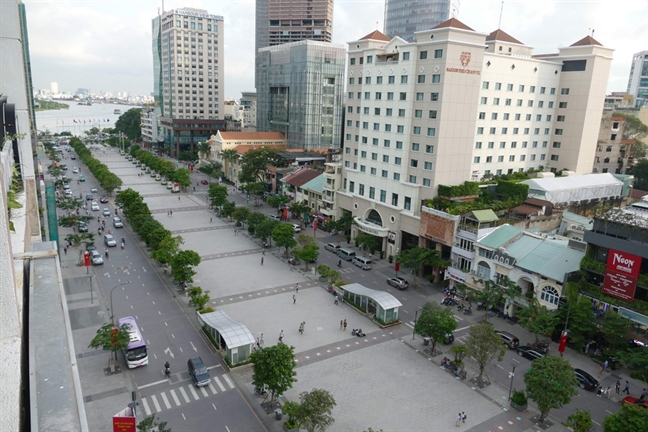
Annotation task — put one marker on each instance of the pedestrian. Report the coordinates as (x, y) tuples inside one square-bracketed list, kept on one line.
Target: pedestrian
[(336, 299), (297, 288), (599, 391), (463, 417), (258, 343), (65, 250), (171, 213), (345, 324), (261, 339), (605, 365), (600, 372), (617, 386), (301, 328), (261, 260), (281, 336), (626, 389), (341, 324), (643, 395), (210, 220), (178, 198), (106, 253), (458, 420), (607, 392), (294, 299)]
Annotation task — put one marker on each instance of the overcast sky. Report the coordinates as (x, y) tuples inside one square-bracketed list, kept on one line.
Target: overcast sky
[(106, 45)]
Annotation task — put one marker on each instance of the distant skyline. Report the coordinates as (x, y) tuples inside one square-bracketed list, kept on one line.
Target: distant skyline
[(106, 45)]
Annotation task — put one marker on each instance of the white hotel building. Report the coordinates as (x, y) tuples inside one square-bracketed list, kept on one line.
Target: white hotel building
[(456, 105)]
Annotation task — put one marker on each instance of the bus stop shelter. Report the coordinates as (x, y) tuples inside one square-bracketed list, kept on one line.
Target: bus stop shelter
[(382, 305), (230, 337)]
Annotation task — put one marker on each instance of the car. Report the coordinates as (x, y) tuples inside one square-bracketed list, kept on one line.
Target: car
[(82, 178), (509, 340), (631, 400), (585, 380), (93, 189), (398, 282), (109, 240), (164, 181), (75, 170), (158, 178), (332, 247), (103, 199), (274, 217), (205, 182), (169, 185), (297, 227), (72, 157), (94, 206), (68, 193), (66, 186), (83, 227), (530, 353), (89, 197), (117, 222), (448, 338), (154, 174), (198, 372), (106, 212), (91, 247), (96, 258)]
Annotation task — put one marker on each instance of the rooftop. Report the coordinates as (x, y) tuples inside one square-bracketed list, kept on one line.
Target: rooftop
[(454, 23), (376, 35), (500, 236), (586, 41), (501, 35)]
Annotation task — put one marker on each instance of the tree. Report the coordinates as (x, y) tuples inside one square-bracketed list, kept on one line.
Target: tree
[(581, 318), (256, 190), (640, 172), (537, 319), (183, 177), (300, 208), (418, 257), (484, 345), (435, 322), (278, 201), (265, 228), (494, 293), (629, 418), (228, 157), (110, 337), (228, 208), (150, 424), (580, 421), (633, 127), (182, 265), (551, 383), (205, 149), (308, 253), (198, 298), (241, 214), (167, 248), (254, 164), (283, 235), (217, 195), (129, 124), (367, 241), (274, 368), (254, 220), (615, 328), (637, 359), (314, 410)]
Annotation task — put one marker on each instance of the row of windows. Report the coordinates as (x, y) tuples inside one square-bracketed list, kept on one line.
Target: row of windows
[(423, 55), (516, 131), (519, 102), (521, 87), (194, 26), (386, 144), (511, 158), (414, 163), (391, 79), (419, 96), (524, 144), (407, 201), (518, 117), (432, 114), (416, 130)]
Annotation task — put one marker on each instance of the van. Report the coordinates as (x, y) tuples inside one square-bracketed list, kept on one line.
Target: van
[(511, 341), (346, 254), (363, 262), (332, 247)]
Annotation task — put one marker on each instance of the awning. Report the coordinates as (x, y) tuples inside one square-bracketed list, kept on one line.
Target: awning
[(384, 299), (233, 332)]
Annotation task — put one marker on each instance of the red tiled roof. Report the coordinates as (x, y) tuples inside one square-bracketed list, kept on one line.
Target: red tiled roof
[(454, 23), (244, 148), (637, 194), (527, 209), (501, 35), (376, 35), (301, 177), (246, 136), (629, 141), (586, 41)]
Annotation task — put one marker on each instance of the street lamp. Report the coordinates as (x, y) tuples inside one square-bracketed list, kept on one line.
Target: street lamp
[(112, 314), (511, 375)]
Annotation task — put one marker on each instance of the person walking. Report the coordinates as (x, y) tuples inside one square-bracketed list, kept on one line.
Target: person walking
[(607, 392), (463, 417), (65, 250), (261, 260), (643, 395), (458, 420), (600, 374), (281, 335), (341, 324), (210, 220), (626, 389), (345, 324), (106, 253), (294, 299), (258, 343), (617, 386), (261, 339), (303, 326), (171, 212), (178, 198), (336, 299), (297, 288)]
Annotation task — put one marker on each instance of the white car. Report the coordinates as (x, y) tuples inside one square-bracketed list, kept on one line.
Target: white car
[(297, 228), (75, 170), (106, 212), (94, 189), (94, 206)]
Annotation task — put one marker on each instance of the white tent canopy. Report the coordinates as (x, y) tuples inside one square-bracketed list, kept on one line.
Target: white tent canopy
[(572, 189)]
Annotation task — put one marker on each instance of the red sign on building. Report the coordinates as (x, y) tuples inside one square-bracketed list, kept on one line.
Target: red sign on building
[(621, 275)]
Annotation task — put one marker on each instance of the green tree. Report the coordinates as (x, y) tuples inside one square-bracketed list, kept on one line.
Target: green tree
[(581, 318), (110, 337), (629, 418), (307, 254), (167, 248), (484, 345), (551, 383), (278, 201), (228, 208), (274, 368), (255, 219), (314, 410), (417, 258), (615, 328), (129, 123), (254, 164), (495, 293), (283, 235), (217, 195), (633, 127), (537, 319), (640, 172), (205, 149), (435, 322), (580, 421), (255, 190), (367, 241), (265, 228), (198, 298), (151, 424), (229, 156), (183, 177), (300, 208), (637, 359), (182, 266), (241, 214)]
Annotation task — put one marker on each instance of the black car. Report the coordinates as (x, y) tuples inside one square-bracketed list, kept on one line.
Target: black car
[(83, 227), (530, 353), (198, 372), (585, 380), (89, 197)]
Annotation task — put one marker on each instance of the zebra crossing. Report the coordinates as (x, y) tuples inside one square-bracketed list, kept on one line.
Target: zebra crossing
[(176, 397)]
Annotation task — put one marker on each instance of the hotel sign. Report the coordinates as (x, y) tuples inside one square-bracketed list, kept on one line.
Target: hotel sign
[(465, 61), (621, 275)]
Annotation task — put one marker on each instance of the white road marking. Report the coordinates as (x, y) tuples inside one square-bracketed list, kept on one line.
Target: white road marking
[(215, 409), (155, 402), (462, 328), (184, 395), (193, 346), (143, 268), (204, 392), (107, 274), (211, 387), (166, 400), (193, 392), (229, 382), (227, 428), (458, 318), (146, 407), (169, 352), (220, 384), (499, 366), (175, 397), (183, 417), (180, 348)]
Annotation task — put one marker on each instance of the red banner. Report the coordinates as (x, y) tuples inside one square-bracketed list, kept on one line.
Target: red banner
[(124, 424), (621, 275)]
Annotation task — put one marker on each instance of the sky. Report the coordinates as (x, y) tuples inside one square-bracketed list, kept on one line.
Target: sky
[(106, 45)]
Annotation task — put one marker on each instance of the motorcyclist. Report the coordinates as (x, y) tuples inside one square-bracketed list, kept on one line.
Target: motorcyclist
[(339, 263), (167, 368)]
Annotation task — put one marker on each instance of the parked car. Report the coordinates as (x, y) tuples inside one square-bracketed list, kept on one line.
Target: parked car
[(631, 400), (91, 247), (297, 228), (75, 170), (104, 199), (510, 340), (83, 227), (109, 240), (117, 222), (274, 217), (72, 157), (106, 212), (94, 206), (96, 258), (398, 282), (205, 182), (82, 178), (332, 247), (198, 372), (529, 353), (585, 380)]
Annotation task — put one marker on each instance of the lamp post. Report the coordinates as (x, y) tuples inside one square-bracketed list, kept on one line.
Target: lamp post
[(112, 314), (414, 328), (511, 375)]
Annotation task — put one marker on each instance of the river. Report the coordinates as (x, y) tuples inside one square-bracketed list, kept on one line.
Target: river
[(79, 118)]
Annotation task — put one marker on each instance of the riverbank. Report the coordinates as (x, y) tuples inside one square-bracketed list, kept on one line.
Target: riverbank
[(44, 105)]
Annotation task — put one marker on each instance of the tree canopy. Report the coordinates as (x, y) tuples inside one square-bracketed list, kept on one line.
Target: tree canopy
[(110, 337), (254, 164), (484, 345), (129, 124), (283, 235), (629, 418), (435, 322), (551, 383), (314, 410), (274, 368)]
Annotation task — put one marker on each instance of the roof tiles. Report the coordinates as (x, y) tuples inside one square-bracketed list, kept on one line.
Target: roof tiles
[(454, 23)]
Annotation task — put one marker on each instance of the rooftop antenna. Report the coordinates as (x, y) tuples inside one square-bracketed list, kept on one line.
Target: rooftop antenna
[(376, 25), (592, 32), (499, 26)]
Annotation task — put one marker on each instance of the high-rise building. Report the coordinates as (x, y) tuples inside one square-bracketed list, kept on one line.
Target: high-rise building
[(285, 21), (249, 105), (405, 17), (300, 88), (446, 110), (54, 88), (188, 76), (638, 81)]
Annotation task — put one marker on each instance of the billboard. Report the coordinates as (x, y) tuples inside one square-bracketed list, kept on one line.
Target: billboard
[(621, 275)]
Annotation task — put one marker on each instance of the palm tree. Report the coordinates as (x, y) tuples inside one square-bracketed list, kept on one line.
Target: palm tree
[(205, 148), (228, 156)]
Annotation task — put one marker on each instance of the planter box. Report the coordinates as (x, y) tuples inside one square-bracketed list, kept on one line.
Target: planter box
[(519, 407), (285, 428)]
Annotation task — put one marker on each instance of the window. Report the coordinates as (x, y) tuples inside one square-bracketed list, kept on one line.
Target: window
[(521, 88), (564, 91), (522, 158), (513, 144), (402, 96), (525, 144), (414, 163), (558, 131), (517, 117), (496, 101), (369, 60), (509, 87), (494, 116), (384, 173), (418, 113), (417, 130), (397, 176), (366, 110), (376, 111), (368, 80), (512, 158), (434, 97), (613, 137), (526, 131), (349, 123), (407, 205), (387, 128), (429, 148), (548, 118), (519, 102), (542, 157), (426, 182), (420, 79), (556, 144), (361, 189), (534, 144), (412, 179), (383, 195), (386, 143), (386, 158), (376, 126), (478, 145), (528, 117), (482, 115), (536, 131), (427, 166), (491, 144), (415, 146), (378, 96), (372, 192), (538, 117), (391, 79), (507, 102), (419, 96), (423, 55), (388, 112), (397, 161), (351, 80), (365, 125), (374, 156), (403, 79), (489, 159), (492, 130), (394, 199), (406, 56), (373, 171), (560, 118), (436, 78), (485, 85), (399, 145), (562, 105), (516, 131), (546, 131), (498, 86), (350, 95), (540, 104), (506, 116), (480, 131), (530, 103), (374, 141), (360, 80), (363, 154), (367, 95), (532, 89), (431, 132), (438, 53), (483, 100), (379, 80), (500, 158), (351, 187), (550, 295), (476, 159), (353, 61), (502, 144), (550, 104)]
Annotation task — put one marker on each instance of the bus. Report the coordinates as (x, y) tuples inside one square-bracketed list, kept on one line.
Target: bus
[(135, 352)]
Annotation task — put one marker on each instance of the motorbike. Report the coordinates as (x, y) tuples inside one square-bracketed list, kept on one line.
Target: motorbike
[(467, 310), (540, 346), (480, 306), (291, 261), (260, 391), (358, 332), (167, 370), (339, 263)]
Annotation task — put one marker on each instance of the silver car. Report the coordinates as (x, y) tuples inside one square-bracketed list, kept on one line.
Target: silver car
[(106, 211), (110, 241), (117, 222), (96, 258)]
